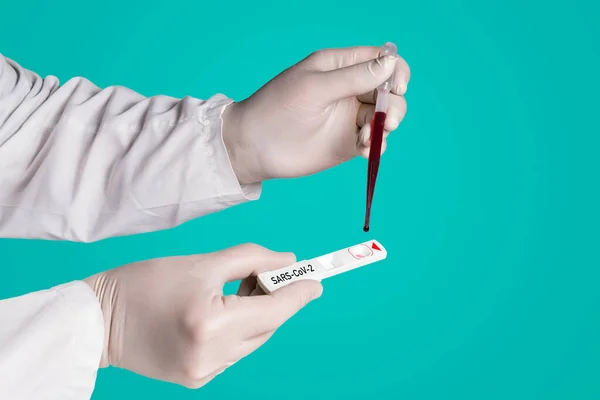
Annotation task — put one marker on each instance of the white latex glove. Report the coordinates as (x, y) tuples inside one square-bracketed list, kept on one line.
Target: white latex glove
[(168, 319), (309, 117)]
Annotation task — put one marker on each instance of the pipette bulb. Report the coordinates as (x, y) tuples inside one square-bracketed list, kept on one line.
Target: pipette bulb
[(389, 48)]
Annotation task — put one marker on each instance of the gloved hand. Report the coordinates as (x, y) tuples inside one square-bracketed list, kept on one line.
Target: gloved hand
[(309, 117), (168, 319)]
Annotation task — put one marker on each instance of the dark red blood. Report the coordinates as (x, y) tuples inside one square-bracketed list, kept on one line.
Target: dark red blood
[(377, 126)]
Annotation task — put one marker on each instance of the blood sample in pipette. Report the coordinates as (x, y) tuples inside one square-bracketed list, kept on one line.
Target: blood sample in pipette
[(377, 128)]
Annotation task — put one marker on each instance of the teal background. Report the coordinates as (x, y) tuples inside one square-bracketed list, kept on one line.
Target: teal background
[(487, 198)]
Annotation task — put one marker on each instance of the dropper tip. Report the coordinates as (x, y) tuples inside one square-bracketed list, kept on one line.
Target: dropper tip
[(366, 228)]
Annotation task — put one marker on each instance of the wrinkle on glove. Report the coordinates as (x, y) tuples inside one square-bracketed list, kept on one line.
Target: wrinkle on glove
[(81, 163)]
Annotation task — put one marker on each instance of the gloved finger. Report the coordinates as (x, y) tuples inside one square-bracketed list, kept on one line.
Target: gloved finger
[(257, 291), (247, 286), (255, 315), (248, 346), (363, 142), (399, 84), (198, 383), (355, 79), (250, 287), (368, 98), (364, 151), (330, 59), (395, 114), (364, 138), (365, 114), (246, 260), (401, 77)]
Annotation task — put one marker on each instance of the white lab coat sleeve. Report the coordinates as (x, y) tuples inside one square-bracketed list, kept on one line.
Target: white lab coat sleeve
[(81, 163), (51, 343)]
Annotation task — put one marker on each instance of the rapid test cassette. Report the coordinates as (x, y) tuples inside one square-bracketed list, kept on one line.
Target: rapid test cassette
[(324, 266)]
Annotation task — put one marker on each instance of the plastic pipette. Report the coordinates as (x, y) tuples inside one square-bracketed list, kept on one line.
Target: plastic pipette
[(377, 125)]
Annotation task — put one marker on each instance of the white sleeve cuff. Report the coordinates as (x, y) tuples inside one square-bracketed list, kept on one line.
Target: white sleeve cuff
[(51, 342), (230, 190)]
